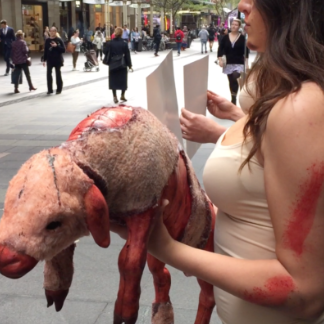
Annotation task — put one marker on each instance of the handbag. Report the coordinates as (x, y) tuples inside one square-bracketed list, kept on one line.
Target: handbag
[(117, 62), (70, 48), (224, 61), (16, 76)]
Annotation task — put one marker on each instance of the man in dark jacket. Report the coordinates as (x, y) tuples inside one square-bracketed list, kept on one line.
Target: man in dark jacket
[(7, 36), (157, 39), (54, 48)]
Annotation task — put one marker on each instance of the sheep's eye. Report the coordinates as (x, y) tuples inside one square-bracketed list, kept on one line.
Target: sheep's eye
[(53, 225)]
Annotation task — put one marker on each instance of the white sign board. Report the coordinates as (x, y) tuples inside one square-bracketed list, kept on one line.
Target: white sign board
[(195, 93), (162, 96)]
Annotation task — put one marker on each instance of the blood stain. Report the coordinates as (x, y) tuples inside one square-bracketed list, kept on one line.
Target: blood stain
[(303, 213)]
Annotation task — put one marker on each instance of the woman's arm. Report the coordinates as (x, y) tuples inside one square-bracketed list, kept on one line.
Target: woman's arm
[(221, 48), (293, 154)]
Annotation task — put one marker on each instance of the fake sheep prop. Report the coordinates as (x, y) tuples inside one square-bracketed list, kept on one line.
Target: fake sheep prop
[(115, 167)]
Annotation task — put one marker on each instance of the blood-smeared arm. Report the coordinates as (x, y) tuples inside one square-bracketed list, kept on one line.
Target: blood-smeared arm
[(293, 156)]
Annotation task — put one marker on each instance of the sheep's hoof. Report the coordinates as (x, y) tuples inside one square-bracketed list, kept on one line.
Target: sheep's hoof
[(120, 320), (162, 313)]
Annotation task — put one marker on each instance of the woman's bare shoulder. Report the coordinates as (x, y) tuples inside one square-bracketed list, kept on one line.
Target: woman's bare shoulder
[(303, 108)]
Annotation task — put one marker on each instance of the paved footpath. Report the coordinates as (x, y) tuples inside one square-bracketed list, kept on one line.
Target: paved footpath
[(30, 122)]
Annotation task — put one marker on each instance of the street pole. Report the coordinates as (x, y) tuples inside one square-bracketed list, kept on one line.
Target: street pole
[(151, 19)]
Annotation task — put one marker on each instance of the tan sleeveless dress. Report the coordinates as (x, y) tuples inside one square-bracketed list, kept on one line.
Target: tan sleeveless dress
[(243, 227)]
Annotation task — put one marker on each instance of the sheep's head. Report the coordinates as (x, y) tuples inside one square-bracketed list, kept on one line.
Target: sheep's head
[(49, 204)]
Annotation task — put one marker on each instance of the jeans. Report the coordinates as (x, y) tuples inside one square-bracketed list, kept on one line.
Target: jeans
[(99, 51), (202, 46), (59, 81), (157, 44), (179, 47), (25, 68)]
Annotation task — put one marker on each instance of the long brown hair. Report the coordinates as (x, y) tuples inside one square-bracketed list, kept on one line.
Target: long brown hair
[(294, 54)]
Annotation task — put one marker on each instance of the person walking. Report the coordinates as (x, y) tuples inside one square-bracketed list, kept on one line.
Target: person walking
[(157, 39), (232, 47), (135, 37), (211, 37), (7, 36), (117, 51), (53, 58), (203, 35), (125, 35), (185, 38), (76, 41), (98, 41), (222, 31), (46, 33), (179, 38), (19, 56)]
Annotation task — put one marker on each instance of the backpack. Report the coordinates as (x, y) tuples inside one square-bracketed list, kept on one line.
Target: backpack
[(178, 37)]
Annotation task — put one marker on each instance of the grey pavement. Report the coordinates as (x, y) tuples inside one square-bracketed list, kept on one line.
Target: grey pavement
[(30, 122)]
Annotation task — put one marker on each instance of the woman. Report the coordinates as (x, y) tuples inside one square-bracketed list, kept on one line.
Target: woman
[(54, 48), (266, 176), (233, 47), (135, 35), (98, 40), (76, 41), (46, 33), (185, 38), (118, 77), (19, 56), (211, 36)]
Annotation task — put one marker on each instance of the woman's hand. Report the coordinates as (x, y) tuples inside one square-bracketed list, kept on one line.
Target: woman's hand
[(159, 239), (222, 108), (198, 128)]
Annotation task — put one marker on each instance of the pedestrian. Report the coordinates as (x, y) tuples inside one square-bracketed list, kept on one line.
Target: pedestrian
[(266, 177), (98, 41), (64, 36), (222, 31), (178, 38), (53, 58), (211, 37), (46, 33), (125, 35), (232, 47), (88, 38), (157, 39), (7, 36), (118, 52), (136, 38), (77, 42), (19, 56), (185, 38), (203, 35)]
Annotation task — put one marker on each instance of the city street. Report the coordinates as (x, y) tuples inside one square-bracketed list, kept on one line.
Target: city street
[(32, 121)]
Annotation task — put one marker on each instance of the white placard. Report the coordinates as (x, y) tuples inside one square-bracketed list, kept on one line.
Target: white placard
[(195, 93), (162, 96)]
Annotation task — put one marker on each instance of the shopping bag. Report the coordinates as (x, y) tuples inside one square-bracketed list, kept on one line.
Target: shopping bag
[(16, 75)]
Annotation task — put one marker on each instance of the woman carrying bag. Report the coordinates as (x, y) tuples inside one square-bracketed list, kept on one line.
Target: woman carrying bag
[(118, 58), (19, 56), (76, 43)]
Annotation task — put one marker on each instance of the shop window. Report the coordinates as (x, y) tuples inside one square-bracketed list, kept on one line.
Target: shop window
[(33, 26)]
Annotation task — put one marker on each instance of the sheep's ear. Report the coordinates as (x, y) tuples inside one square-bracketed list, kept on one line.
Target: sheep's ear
[(97, 216)]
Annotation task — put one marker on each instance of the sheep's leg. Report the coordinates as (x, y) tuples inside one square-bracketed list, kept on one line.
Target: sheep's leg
[(162, 310), (58, 274), (131, 263)]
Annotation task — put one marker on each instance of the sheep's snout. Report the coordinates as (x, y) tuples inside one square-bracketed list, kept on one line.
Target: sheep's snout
[(14, 265)]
